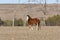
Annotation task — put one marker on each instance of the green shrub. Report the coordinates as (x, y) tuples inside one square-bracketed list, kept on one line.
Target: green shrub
[(53, 21), (7, 23), (20, 22)]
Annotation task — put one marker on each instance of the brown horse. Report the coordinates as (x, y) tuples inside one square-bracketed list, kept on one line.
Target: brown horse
[(33, 21)]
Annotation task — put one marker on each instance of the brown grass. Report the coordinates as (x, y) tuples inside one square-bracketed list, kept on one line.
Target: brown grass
[(23, 33)]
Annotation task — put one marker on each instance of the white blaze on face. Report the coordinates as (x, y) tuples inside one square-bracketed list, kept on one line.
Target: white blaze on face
[(27, 18)]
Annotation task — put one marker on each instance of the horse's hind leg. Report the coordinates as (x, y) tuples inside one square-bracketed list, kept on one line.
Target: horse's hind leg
[(36, 26), (39, 27)]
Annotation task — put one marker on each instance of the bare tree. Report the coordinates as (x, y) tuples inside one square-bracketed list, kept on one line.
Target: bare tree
[(15, 12), (43, 9), (32, 0)]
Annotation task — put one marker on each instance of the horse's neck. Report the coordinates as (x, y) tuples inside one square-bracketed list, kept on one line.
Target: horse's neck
[(29, 17)]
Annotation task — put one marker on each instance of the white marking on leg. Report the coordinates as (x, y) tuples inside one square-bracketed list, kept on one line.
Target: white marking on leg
[(37, 27)]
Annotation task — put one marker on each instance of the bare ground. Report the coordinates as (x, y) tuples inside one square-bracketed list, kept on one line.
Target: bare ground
[(23, 33)]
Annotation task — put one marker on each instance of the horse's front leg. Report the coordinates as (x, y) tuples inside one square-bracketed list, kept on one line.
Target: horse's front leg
[(30, 27)]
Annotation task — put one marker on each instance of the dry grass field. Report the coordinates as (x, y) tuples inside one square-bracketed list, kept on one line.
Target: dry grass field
[(23, 33)]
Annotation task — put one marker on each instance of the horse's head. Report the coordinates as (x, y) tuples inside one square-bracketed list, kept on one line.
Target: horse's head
[(28, 17)]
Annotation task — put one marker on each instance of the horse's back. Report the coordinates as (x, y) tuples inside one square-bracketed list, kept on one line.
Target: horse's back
[(37, 19)]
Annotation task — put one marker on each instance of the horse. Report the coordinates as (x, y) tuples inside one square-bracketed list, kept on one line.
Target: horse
[(33, 21)]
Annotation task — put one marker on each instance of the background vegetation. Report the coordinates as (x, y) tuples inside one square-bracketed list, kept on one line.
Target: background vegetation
[(19, 22), (51, 21)]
